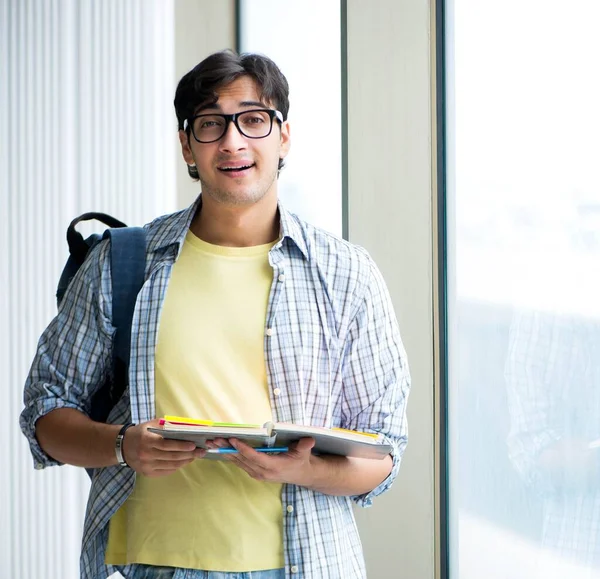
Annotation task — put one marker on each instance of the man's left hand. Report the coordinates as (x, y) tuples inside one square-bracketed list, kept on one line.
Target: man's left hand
[(292, 467)]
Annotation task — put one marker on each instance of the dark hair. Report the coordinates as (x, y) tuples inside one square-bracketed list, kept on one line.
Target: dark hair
[(201, 84)]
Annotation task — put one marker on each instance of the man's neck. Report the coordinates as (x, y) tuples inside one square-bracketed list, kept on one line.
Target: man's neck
[(237, 226)]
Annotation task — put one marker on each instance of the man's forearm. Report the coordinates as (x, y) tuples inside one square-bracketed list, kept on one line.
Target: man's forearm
[(71, 437), (338, 475)]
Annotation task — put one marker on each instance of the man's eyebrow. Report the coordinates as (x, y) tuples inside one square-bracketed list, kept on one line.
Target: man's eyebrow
[(217, 106), (253, 104)]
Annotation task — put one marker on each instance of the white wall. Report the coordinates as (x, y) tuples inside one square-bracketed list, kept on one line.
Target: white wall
[(82, 127)]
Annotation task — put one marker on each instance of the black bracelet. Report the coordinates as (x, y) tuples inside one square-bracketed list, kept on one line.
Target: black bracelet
[(119, 444)]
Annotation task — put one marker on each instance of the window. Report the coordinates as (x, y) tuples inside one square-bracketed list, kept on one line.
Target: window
[(303, 38), (523, 307)]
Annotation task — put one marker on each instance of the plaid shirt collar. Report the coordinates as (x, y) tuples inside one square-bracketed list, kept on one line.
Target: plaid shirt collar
[(176, 230)]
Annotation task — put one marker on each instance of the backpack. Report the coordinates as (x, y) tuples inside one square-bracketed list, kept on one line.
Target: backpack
[(128, 263)]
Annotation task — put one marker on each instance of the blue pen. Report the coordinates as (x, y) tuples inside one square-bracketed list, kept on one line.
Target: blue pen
[(260, 449)]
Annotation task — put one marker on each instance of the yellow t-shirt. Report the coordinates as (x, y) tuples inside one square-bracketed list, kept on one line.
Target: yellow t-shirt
[(210, 364)]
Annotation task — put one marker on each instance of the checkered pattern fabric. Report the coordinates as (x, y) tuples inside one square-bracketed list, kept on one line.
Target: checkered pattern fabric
[(334, 357)]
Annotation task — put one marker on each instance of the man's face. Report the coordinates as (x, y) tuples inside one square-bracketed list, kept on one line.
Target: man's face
[(237, 170)]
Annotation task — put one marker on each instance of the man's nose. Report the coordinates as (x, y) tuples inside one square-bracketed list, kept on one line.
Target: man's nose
[(232, 140)]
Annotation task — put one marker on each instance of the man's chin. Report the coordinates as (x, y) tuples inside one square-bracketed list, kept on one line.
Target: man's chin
[(238, 198)]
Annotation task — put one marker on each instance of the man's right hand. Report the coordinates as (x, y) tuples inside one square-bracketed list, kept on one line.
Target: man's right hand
[(152, 455)]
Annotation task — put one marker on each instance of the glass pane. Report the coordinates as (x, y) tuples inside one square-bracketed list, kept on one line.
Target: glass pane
[(303, 38), (524, 280)]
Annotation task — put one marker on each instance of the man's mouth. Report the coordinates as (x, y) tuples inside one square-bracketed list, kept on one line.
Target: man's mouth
[(235, 169)]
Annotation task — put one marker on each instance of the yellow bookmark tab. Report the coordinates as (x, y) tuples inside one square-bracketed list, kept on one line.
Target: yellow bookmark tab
[(199, 422), (189, 420), (356, 432)]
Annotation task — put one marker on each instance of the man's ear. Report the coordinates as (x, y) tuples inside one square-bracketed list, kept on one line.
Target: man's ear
[(285, 140), (186, 151)]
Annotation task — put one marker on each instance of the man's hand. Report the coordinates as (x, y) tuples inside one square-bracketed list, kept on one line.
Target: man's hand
[(152, 455), (293, 467), (331, 475)]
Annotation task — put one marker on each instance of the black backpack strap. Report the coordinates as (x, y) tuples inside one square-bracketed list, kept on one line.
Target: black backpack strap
[(128, 264), (78, 247)]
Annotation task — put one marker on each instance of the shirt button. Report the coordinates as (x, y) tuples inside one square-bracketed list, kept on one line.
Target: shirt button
[(277, 391), (294, 569), (269, 331), (290, 509), (39, 466), (281, 277)]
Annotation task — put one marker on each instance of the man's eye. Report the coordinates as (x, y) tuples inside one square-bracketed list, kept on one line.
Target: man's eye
[(209, 124), (254, 120)]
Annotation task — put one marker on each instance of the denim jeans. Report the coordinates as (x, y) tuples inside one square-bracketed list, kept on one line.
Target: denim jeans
[(151, 572)]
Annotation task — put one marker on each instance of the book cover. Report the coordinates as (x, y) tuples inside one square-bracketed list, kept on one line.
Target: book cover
[(199, 433), (334, 441)]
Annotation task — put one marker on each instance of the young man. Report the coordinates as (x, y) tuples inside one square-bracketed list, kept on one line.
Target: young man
[(247, 314)]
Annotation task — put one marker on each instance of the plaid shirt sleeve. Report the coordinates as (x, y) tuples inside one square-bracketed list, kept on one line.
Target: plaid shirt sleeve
[(376, 376), (73, 354)]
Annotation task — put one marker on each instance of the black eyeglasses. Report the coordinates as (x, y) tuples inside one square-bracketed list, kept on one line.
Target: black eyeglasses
[(254, 124)]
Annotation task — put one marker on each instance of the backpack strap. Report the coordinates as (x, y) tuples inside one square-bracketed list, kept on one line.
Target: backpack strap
[(128, 264), (78, 247)]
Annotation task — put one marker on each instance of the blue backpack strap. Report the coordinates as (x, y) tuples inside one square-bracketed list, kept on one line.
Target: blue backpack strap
[(128, 264)]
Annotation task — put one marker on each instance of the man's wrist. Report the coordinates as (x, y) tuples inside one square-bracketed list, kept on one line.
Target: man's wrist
[(119, 444), (319, 471)]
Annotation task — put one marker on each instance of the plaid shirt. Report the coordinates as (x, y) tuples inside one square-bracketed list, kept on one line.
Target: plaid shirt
[(553, 373), (334, 358)]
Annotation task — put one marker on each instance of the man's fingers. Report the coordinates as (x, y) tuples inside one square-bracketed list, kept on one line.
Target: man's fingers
[(172, 445), (177, 457), (152, 455), (159, 449), (304, 444)]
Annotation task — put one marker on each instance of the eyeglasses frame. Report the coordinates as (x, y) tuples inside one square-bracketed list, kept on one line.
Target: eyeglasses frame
[(233, 118)]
